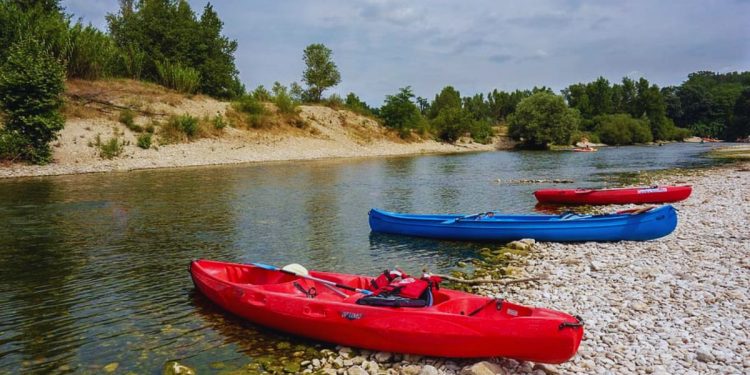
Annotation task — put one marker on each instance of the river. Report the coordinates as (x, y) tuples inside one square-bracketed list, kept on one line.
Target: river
[(93, 267)]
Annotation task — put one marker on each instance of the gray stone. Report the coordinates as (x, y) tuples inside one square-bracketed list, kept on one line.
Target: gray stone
[(548, 369), (704, 355), (483, 368), (383, 356), (428, 370), (411, 370), (356, 370)]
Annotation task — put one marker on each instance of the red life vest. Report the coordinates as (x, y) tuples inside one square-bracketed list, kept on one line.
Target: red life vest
[(400, 284)]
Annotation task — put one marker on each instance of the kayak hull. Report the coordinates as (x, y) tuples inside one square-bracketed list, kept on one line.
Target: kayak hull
[(644, 226), (269, 298), (657, 194)]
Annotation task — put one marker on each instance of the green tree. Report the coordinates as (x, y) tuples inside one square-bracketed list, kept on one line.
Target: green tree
[(543, 119), (399, 112), (168, 32), (740, 125), (31, 87), (447, 98), (321, 72)]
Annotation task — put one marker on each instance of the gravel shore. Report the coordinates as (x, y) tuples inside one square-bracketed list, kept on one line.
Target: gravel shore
[(677, 305)]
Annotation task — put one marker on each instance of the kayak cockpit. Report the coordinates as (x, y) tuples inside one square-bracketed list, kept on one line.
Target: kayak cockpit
[(443, 301)]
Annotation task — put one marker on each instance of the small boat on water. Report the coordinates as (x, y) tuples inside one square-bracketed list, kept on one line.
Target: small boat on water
[(456, 324), (652, 194), (585, 149), (639, 225)]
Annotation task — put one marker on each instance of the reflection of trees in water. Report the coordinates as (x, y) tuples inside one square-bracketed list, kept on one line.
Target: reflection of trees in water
[(36, 266)]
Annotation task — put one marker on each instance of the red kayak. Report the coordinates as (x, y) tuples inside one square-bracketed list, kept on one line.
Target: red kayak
[(457, 324), (585, 150), (653, 194)]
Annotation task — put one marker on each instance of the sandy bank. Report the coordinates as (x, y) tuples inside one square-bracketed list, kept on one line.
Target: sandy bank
[(93, 109)]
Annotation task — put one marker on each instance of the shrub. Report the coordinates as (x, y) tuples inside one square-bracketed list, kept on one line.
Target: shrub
[(144, 141), (250, 105), (176, 76), (334, 101), (179, 128), (219, 122), (31, 87), (622, 129), (188, 124), (111, 148), (127, 118), (261, 94), (12, 145), (283, 100), (481, 131)]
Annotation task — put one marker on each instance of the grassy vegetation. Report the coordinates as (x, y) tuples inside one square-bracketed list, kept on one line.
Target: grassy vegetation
[(127, 118), (179, 77), (109, 149), (144, 141), (186, 128)]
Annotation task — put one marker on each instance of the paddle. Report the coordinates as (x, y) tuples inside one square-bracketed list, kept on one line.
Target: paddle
[(636, 211), (313, 278), (451, 221)]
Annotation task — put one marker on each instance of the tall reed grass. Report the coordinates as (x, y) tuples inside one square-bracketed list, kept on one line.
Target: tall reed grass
[(176, 76)]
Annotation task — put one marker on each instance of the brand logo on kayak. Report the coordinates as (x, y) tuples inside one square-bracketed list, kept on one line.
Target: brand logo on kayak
[(653, 190), (351, 315)]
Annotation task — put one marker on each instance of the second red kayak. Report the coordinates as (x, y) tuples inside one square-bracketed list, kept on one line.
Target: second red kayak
[(652, 194)]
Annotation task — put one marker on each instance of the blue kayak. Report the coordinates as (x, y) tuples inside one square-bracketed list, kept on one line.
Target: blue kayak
[(626, 226)]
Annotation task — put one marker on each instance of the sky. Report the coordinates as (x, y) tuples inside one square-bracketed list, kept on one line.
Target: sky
[(479, 45)]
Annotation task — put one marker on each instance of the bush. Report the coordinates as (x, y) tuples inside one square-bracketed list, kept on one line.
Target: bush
[(334, 101), (144, 141), (622, 129), (12, 145), (261, 94), (283, 101), (543, 119), (481, 131), (179, 128), (176, 76), (188, 124), (250, 105), (127, 118), (31, 87), (219, 122), (452, 123), (111, 148)]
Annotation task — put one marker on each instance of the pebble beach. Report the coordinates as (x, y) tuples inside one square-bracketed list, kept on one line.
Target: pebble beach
[(676, 305)]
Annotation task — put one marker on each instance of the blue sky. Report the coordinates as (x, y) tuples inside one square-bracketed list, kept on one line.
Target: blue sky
[(380, 46)]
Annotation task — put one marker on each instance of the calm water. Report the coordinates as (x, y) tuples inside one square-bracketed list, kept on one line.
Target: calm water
[(93, 267)]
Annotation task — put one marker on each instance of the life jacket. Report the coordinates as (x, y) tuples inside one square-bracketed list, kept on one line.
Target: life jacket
[(397, 289)]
